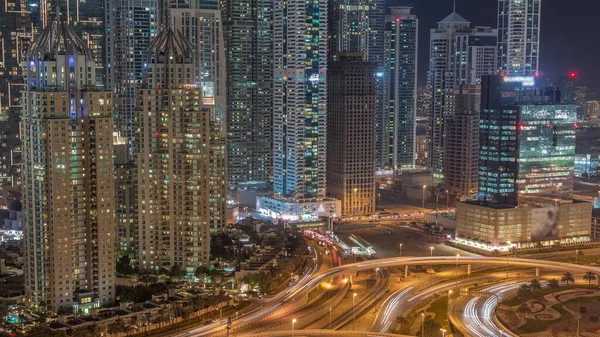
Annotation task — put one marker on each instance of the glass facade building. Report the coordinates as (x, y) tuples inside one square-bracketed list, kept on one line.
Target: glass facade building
[(527, 143)]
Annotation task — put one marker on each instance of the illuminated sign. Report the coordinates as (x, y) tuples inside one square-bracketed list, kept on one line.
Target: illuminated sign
[(527, 81), (314, 78)]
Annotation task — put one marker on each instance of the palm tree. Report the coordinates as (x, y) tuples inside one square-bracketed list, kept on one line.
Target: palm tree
[(401, 321), (589, 276), (524, 292), (568, 277), (553, 283), (523, 309), (512, 316), (535, 284)]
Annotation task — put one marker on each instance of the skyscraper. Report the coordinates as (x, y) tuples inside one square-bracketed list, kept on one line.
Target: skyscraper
[(351, 114), (125, 198), (130, 26), (400, 89), (461, 153), (441, 79), (527, 143), (248, 26), (458, 55), (181, 158), (203, 27), (300, 98), (299, 112), (526, 168), (519, 24), (68, 176), (359, 26)]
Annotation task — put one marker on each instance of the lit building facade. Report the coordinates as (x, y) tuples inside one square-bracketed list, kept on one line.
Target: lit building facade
[(299, 102), (527, 143), (181, 160), (526, 169), (461, 161), (351, 114), (248, 30), (459, 55), (125, 198), (203, 28), (592, 109), (68, 177), (501, 228), (130, 26), (400, 89), (300, 98), (519, 23), (359, 26)]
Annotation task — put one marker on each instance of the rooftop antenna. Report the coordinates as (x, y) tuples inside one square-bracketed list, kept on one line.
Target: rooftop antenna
[(454, 6)]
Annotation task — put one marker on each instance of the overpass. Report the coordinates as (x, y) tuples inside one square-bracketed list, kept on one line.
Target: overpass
[(318, 332), (285, 301)]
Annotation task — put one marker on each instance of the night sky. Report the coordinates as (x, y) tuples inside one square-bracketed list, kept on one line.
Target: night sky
[(570, 35)]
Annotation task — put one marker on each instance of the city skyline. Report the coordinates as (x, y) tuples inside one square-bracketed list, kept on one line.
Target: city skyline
[(565, 47)]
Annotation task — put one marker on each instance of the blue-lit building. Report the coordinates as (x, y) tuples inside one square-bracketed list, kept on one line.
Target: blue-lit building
[(587, 165), (527, 143)]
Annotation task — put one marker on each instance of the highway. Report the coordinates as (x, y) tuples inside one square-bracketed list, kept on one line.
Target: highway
[(402, 301), (474, 316), (291, 299)]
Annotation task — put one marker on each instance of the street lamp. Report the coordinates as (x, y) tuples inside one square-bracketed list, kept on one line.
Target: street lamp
[(376, 273), (400, 250), (424, 186), (457, 256), (293, 324), (329, 318), (430, 265), (443, 332), (422, 324), (353, 313), (447, 201)]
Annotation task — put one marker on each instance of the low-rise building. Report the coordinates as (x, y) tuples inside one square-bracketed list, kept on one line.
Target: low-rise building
[(293, 209), (501, 227)]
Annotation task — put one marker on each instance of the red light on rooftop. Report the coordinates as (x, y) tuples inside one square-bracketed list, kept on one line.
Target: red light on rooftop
[(398, 20), (537, 74), (573, 75), (502, 74), (576, 125)]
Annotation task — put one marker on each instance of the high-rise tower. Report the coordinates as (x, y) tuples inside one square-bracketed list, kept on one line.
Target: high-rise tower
[(400, 89), (519, 24), (300, 97), (248, 27), (459, 54), (299, 111), (68, 176), (351, 116), (130, 26), (181, 158)]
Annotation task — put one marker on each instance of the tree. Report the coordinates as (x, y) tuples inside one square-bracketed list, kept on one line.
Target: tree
[(568, 277), (553, 283), (535, 284), (589, 276), (124, 266), (176, 271), (431, 327), (401, 321), (523, 309), (524, 292), (512, 316)]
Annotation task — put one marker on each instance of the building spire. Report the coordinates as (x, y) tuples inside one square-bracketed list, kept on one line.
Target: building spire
[(454, 9)]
